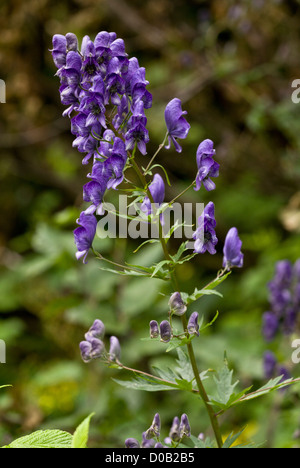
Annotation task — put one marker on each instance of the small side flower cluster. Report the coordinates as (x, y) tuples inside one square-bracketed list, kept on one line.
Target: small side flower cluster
[(283, 315), (151, 437), (284, 298), (177, 307), (94, 348)]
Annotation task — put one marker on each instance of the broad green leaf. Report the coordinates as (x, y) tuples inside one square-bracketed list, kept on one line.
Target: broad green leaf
[(146, 384), (43, 439), (81, 434)]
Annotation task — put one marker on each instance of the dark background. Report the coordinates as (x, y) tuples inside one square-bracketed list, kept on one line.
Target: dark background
[(232, 64)]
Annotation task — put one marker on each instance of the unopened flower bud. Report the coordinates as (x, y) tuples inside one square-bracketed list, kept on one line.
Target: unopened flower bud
[(174, 433), (154, 429), (184, 428), (97, 330), (91, 349), (132, 443), (176, 304), (72, 42), (193, 326), (165, 331), (115, 349), (154, 329)]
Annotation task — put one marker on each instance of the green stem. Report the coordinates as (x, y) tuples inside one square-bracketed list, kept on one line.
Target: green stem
[(212, 416), (155, 154)]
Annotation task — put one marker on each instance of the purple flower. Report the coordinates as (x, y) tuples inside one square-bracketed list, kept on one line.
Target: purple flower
[(174, 433), (132, 443), (177, 125), (84, 235), (270, 325), (184, 428), (207, 167), (270, 363), (193, 326), (154, 429), (157, 190), (137, 133), (165, 331), (92, 349), (177, 305), (59, 50), (154, 329), (233, 257), (115, 349), (97, 330), (205, 236)]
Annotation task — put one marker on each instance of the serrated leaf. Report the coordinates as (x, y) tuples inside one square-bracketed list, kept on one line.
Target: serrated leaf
[(231, 439), (81, 434), (225, 387), (184, 368), (148, 385), (43, 439), (198, 443)]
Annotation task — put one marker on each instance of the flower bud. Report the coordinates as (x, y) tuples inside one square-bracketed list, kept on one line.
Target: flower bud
[(154, 329), (132, 443), (193, 326), (184, 428), (91, 349), (97, 330), (176, 304), (154, 429), (115, 349), (72, 42), (174, 433), (165, 331)]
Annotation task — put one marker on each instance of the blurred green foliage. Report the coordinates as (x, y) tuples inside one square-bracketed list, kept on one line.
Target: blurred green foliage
[(232, 64)]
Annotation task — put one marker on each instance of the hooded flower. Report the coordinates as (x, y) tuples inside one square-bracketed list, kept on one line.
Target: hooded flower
[(193, 326), (165, 331), (177, 125), (177, 305), (205, 235), (84, 235), (233, 257), (115, 349), (207, 167), (91, 349), (157, 190)]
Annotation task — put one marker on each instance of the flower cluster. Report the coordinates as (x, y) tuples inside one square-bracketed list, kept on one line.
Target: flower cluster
[(106, 97), (94, 348), (150, 438), (284, 299)]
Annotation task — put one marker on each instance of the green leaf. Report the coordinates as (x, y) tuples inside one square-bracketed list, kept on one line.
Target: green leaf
[(198, 443), (232, 438), (80, 436), (189, 299), (43, 439), (4, 386), (146, 384), (149, 241), (225, 386)]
